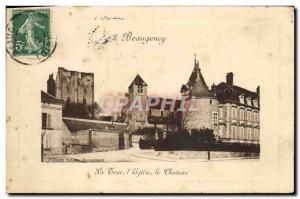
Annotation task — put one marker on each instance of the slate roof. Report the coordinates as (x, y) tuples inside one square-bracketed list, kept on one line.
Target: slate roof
[(197, 84), (138, 81), (47, 98), (75, 124), (232, 93)]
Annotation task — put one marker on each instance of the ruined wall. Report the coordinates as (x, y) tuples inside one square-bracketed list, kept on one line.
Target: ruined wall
[(74, 85)]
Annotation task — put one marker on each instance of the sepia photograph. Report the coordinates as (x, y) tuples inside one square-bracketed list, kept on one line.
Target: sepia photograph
[(220, 122)]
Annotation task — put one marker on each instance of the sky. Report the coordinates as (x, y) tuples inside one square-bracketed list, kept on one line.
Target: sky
[(225, 40)]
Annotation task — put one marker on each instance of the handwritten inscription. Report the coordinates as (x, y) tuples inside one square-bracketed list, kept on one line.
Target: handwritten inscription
[(138, 172), (108, 18), (98, 38)]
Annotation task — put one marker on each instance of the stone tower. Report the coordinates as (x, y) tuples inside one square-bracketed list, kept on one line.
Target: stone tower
[(78, 87), (137, 92), (204, 102)]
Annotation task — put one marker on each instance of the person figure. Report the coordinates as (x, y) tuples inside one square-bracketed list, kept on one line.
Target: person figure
[(31, 44)]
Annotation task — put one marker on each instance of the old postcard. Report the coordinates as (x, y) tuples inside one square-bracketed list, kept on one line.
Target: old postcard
[(150, 99)]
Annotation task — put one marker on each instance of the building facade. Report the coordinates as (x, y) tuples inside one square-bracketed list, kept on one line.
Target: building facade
[(72, 86), (51, 123), (238, 112), (137, 93)]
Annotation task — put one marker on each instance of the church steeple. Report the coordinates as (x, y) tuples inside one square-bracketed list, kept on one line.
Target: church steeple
[(196, 62), (196, 83)]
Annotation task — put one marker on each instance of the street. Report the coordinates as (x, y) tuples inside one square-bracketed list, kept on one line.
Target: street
[(135, 154)]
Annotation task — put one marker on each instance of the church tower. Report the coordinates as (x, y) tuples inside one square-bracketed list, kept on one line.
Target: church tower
[(202, 100), (137, 116)]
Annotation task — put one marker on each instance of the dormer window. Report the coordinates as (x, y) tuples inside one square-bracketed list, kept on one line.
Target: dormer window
[(242, 99), (249, 101), (255, 103)]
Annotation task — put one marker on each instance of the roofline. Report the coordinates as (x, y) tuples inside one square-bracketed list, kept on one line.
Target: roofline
[(240, 104), (73, 71)]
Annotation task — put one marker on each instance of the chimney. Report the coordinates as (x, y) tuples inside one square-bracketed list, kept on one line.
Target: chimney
[(51, 85), (214, 89), (229, 79), (258, 90)]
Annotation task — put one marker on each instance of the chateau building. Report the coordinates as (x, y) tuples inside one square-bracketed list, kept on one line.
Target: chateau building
[(238, 112), (77, 87), (51, 123), (231, 111)]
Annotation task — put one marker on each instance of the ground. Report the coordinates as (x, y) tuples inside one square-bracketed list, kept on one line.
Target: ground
[(135, 154)]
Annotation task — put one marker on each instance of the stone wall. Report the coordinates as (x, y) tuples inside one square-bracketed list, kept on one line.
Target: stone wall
[(74, 85), (52, 139), (203, 116), (102, 140)]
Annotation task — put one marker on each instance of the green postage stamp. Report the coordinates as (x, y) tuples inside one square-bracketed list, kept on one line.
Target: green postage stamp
[(30, 35)]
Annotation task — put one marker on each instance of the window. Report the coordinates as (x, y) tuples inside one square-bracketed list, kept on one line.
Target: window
[(234, 136), (249, 101), (237, 135), (248, 115), (242, 114), (242, 99), (248, 133), (140, 89), (255, 103), (229, 131), (215, 118), (242, 132), (210, 101), (233, 112), (46, 120), (256, 119)]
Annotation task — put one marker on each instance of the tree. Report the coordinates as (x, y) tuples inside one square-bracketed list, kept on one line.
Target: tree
[(94, 110), (183, 89), (186, 118)]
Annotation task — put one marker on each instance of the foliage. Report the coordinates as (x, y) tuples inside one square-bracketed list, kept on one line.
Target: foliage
[(81, 110), (183, 89), (94, 110), (146, 131), (192, 139)]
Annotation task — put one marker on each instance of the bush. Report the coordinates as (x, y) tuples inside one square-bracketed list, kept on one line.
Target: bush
[(193, 139)]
